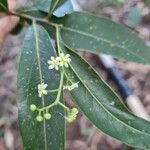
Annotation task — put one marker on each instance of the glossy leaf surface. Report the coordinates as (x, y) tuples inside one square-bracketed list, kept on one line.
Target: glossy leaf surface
[(86, 32), (32, 12), (33, 70), (103, 108)]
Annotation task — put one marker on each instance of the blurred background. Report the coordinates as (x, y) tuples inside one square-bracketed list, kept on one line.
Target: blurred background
[(81, 134)]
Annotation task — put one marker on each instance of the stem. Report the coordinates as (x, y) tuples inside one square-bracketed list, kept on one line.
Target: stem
[(39, 113), (51, 91), (36, 19), (47, 107), (64, 106), (51, 10), (57, 26), (68, 79), (56, 102), (57, 39), (60, 88)]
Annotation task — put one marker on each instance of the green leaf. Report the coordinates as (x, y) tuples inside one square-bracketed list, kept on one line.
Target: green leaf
[(102, 107), (56, 3), (64, 9), (43, 5), (58, 8), (33, 12), (111, 2), (3, 5), (33, 69), (86, 32)]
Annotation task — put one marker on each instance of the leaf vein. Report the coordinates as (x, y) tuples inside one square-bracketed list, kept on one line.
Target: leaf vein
[(40, 73), (104, 40), (132, 128)]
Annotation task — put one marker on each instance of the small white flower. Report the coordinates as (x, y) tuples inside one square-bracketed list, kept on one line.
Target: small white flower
[(71, 87), (64, 60), (41, 89), (54, 63)]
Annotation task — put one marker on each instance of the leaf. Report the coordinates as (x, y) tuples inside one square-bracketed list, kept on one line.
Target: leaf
[(50, 29), (58, 8), (102, 107), (56, 3), (112, 2), (64, 9), (95, 34), (33, 12), (3, 5), (43, 5), (33, 69)]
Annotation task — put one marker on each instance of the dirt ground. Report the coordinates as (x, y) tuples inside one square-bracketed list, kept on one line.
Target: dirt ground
[(81, 135)]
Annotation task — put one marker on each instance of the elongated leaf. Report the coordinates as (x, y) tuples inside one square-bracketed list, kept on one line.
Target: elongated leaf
[(3, 5), (86, 32), (103, 108), (33, 69)]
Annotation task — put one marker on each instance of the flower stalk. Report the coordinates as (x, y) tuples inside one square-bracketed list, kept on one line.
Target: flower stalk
[(56, 63)]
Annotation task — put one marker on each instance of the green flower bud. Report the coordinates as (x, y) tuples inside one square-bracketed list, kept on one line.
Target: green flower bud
[(74, 111), (32, 107), (70, 118), (39, 118), (47, 116)]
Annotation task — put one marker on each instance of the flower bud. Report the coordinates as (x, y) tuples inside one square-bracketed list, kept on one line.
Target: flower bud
[(39, 118), (74, 111), (70, 118), (32, 107), (47, 116)]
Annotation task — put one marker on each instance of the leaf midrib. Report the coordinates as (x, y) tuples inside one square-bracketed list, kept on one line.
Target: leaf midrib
[(132, 128), (104, 40), (40, 73), (27, 10), (54, 6)]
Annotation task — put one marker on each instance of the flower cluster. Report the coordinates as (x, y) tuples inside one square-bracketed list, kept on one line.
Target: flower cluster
[(42, 89), (59, 61), (71, 87), (46, 116), (43, 113), (71, 115), (39, 117), (54, 63)]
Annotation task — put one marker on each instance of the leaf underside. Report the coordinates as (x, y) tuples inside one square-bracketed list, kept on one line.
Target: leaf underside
[(86, 32), (33, 69), (103, 108)]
